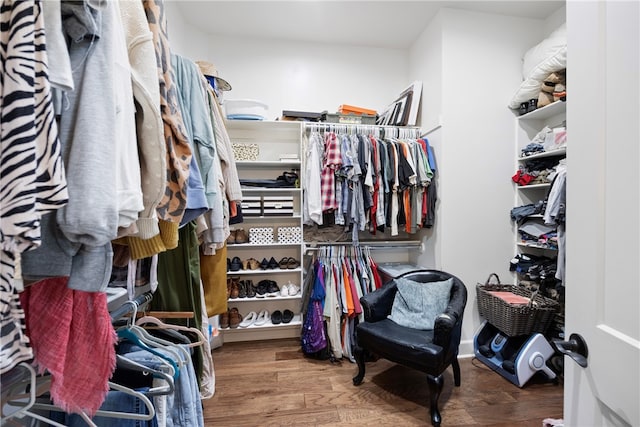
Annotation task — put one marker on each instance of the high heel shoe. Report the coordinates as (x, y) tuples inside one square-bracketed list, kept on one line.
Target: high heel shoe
[(272, 264)]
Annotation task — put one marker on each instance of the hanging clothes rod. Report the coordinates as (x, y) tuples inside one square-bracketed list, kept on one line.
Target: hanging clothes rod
[(316, 125), (433, 129), (127, 307), (385, 131), (387, 244)]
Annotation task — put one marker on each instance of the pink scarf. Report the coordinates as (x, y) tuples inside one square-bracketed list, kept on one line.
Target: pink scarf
[(73, 339)]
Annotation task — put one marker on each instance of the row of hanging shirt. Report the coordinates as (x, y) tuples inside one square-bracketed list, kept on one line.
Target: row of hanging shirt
[(369, 178), (347, 273)]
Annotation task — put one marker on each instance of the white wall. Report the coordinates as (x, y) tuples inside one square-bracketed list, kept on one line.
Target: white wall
[(294, 75), (469, 81), (555, 20), (425, 64)]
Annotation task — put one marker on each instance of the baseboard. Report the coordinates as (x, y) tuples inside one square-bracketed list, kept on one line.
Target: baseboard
[(466, 349)]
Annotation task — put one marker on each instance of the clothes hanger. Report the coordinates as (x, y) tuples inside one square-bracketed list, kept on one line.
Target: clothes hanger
[(182, 355), (160, 324), (126, 363), (127, 333), (102, 413), (17, 380), (18, 400)]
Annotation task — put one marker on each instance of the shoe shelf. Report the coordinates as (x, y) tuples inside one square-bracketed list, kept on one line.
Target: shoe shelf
[(268, 245), (271, 271), (270, 299), (263, 332), (274, 147), (269, 218), (296, 321)]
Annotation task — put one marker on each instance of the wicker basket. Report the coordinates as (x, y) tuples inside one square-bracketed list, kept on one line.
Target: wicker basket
[(514, 319)]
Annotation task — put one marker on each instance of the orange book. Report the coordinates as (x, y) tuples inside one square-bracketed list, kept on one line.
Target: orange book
[(350, 109)]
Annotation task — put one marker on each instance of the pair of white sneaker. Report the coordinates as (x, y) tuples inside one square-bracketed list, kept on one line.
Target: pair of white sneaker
[(255, 319), (289, 290)]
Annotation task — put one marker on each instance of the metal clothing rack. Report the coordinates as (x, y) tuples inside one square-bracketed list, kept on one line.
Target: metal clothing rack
[(131, 305), (378, 130), (386, 244)]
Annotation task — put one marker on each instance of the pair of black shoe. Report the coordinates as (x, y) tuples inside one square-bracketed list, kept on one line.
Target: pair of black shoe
[(234, 264), (267, 288), (269, 265), (278, 317)]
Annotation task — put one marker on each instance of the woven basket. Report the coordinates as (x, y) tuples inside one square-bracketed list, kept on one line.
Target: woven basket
[(515, 319)]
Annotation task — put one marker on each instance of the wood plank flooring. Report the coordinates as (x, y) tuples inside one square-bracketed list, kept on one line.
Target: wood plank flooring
[(271, 383)]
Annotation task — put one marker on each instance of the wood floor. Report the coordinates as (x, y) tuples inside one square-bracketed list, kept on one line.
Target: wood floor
[(271, 383)]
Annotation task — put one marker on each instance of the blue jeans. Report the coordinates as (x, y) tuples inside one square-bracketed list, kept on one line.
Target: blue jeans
[(184, 408), (115, 401)]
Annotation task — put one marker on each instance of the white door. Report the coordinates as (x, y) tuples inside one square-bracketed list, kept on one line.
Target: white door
[(603, 212)]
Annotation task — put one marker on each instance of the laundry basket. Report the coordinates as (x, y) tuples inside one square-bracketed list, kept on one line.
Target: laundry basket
[(513, 309)]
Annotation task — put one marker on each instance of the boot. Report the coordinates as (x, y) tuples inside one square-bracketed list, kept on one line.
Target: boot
[(235, 287), (251, 289), (242, 289)]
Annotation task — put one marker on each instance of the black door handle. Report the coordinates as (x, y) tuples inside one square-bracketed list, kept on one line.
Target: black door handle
[(575, 348)]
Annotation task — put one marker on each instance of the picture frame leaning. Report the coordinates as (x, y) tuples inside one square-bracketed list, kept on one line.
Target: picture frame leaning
[(404, 110)]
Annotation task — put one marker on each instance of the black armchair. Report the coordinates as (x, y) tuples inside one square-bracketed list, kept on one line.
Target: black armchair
[(426, 351)]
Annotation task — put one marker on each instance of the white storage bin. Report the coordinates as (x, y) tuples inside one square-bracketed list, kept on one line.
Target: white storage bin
[(245, 109), (277, 205), (251, 205), (261, 235)]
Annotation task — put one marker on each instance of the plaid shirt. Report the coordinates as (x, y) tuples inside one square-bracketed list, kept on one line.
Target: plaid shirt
[(331, 162)]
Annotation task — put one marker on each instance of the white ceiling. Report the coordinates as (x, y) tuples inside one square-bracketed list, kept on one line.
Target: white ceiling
[(390, 24)]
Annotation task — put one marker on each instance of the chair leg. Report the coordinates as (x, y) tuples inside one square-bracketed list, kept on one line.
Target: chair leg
[(435, 387), (456, 371), (358, 354)]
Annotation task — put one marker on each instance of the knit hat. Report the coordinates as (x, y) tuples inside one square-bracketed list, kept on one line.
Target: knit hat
[(210, 70)]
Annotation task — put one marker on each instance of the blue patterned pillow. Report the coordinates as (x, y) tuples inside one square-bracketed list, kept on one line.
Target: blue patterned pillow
[(416, 305)]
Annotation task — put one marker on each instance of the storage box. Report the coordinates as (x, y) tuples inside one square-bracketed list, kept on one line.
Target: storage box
[(358, 119), (251, 206), (261, 235), (277, 205), (247, 152), (289, 235), (245, 109), (350, 109), (302, 115)]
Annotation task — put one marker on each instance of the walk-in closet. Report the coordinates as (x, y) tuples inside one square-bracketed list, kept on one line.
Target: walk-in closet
[(329, 213)]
